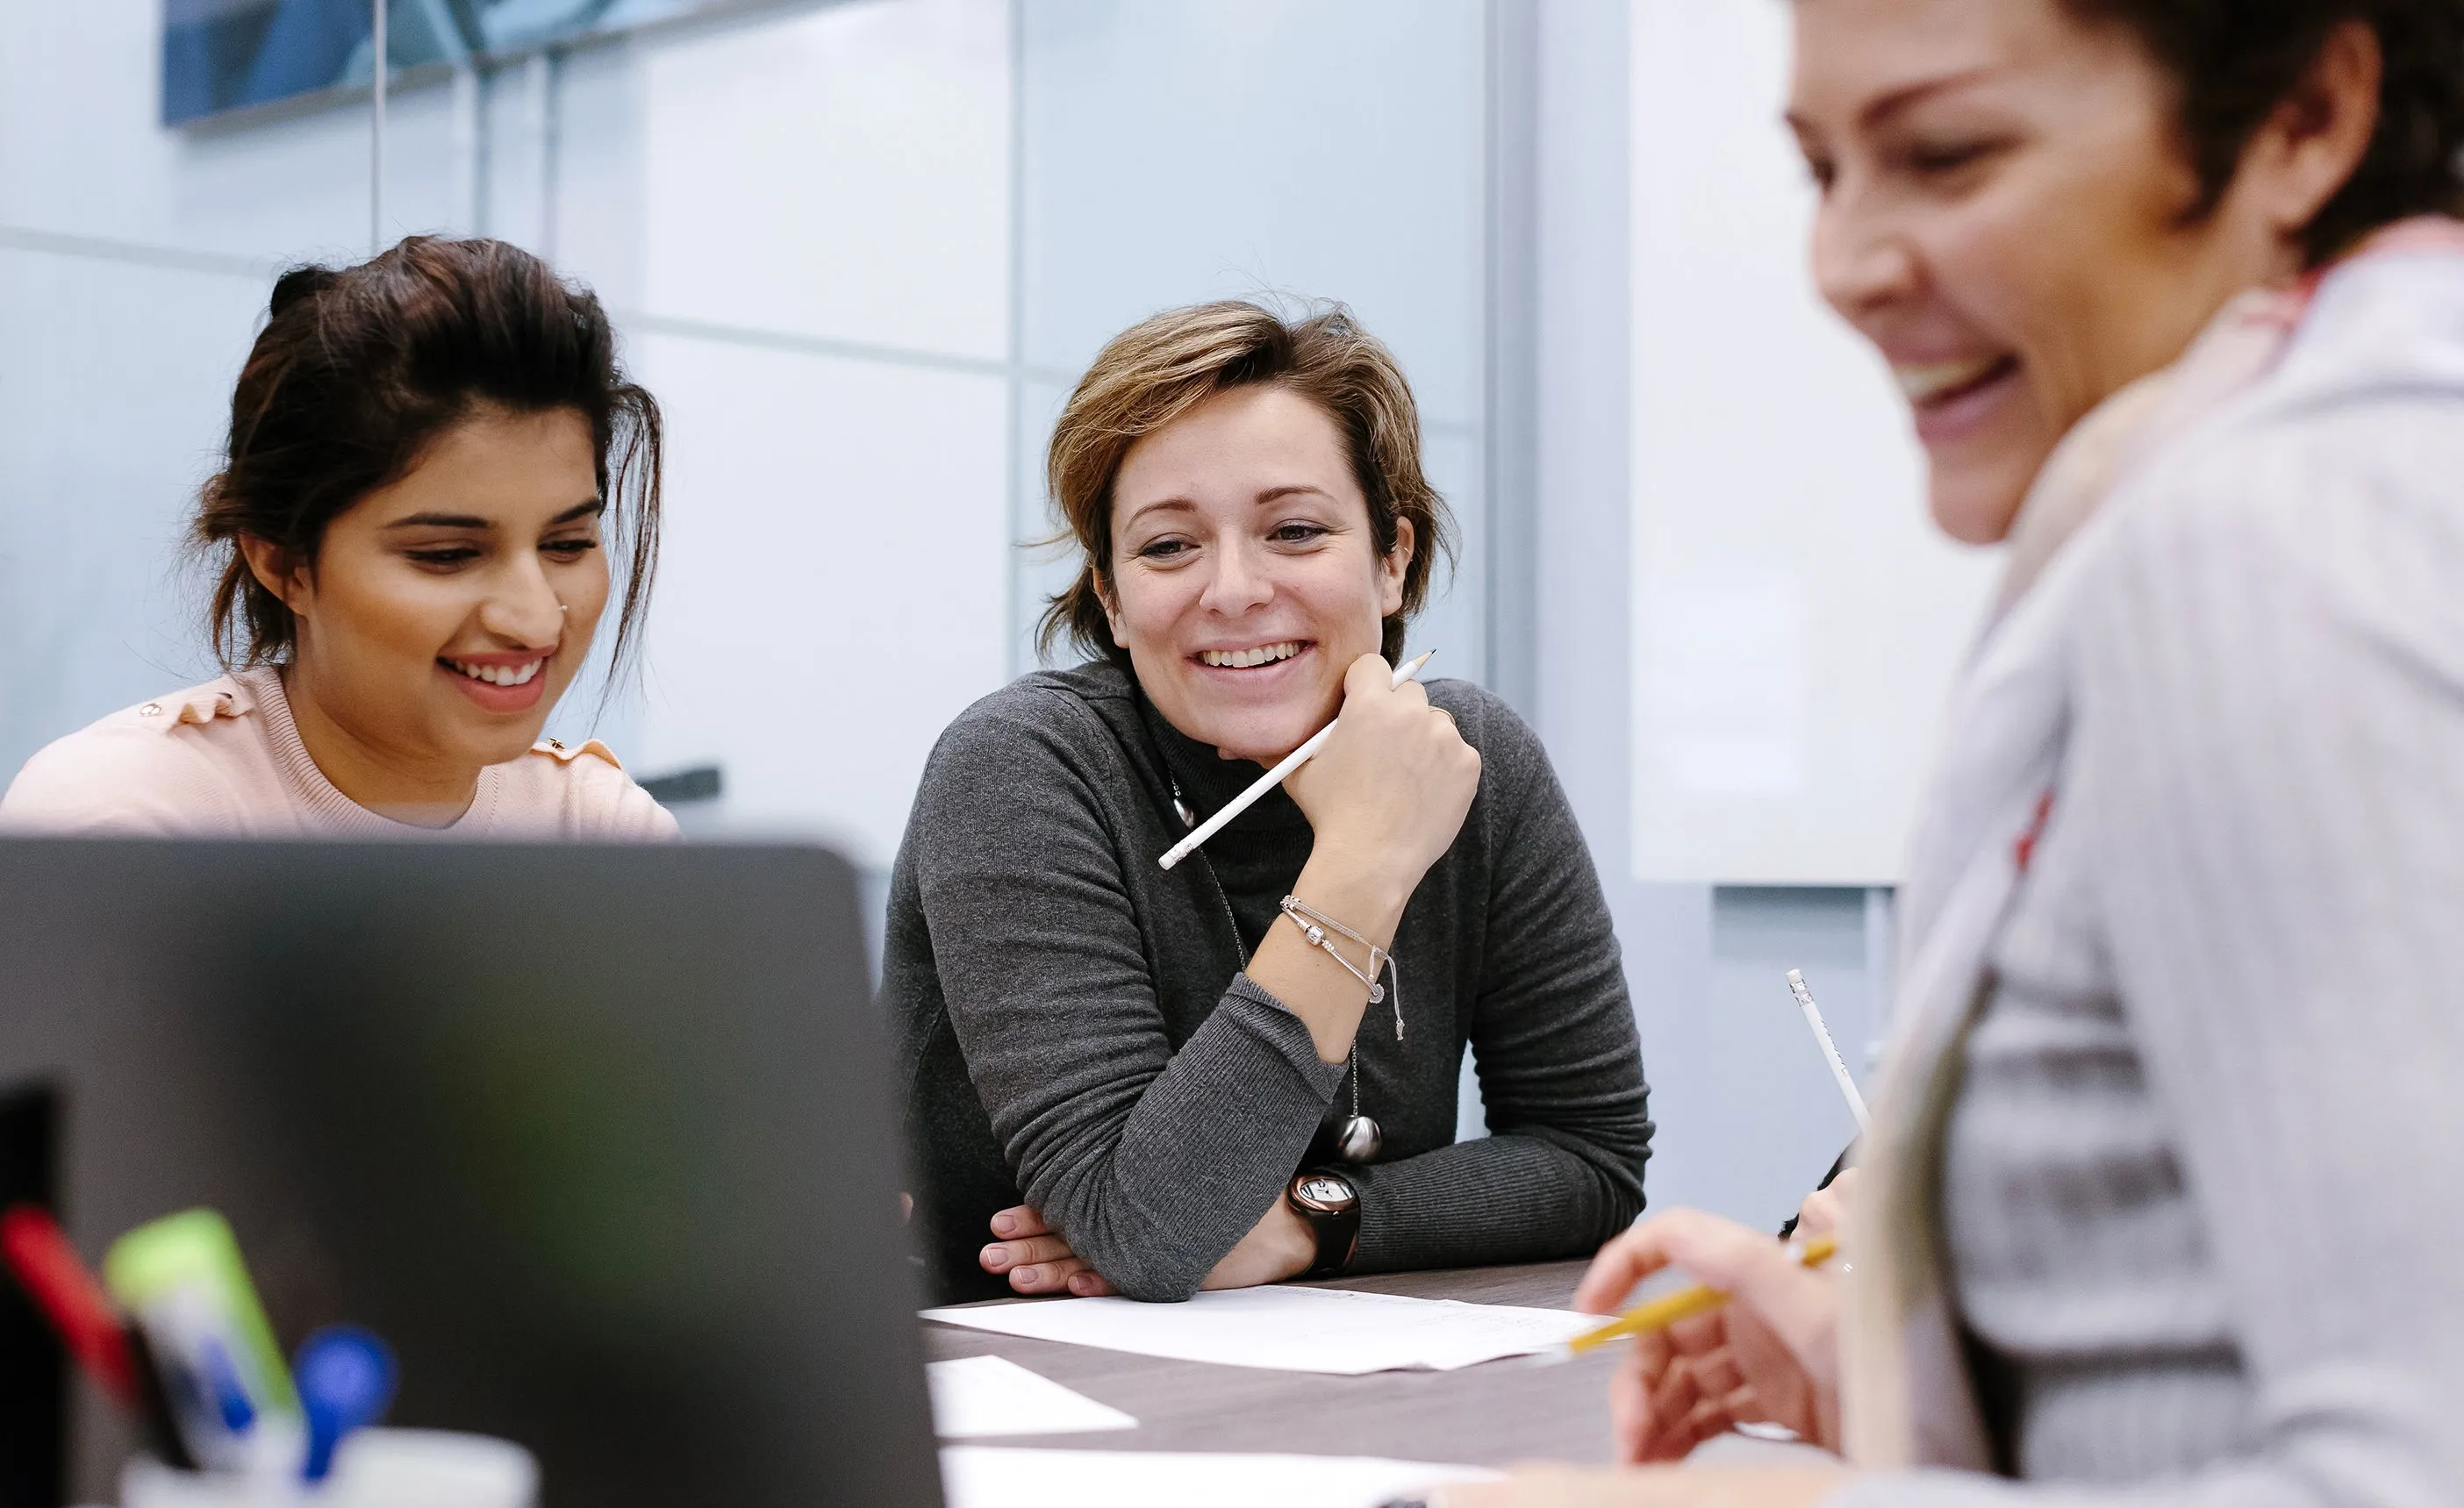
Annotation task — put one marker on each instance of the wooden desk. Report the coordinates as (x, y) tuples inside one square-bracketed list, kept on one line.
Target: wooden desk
[(1494, 1415)]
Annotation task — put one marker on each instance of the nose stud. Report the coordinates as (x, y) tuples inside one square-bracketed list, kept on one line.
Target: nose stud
[(563, 608)]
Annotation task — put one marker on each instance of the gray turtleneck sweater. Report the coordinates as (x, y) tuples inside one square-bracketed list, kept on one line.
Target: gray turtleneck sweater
[(1078, 1033)]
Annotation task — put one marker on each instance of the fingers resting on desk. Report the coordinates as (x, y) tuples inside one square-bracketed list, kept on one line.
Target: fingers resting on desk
[(1037, 1259)]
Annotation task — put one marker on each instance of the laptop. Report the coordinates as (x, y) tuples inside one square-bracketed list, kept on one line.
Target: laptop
[(600, 1139)]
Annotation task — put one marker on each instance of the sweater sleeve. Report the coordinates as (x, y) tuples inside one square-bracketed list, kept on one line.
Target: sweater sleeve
[(1552, 1034), (1151, 1163), (2268, 770), (611, 806)]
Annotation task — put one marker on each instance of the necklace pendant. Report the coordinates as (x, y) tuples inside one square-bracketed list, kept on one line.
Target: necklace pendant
[(1361, 1140)]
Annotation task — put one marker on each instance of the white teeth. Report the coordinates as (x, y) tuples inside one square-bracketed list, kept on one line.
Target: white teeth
[(1243, 659), (500, 674), (1926, 380)]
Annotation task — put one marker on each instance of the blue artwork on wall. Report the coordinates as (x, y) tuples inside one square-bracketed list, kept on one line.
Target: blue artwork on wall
[(232, 55)]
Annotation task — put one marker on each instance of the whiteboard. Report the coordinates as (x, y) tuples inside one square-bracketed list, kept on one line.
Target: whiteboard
[(1797, 619)]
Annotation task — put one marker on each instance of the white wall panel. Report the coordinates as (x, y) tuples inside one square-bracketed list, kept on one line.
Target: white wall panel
[(114, 393), (80, 151), (1797, 618), (832, 588), (1239, 148), (1457, 611), (1216, 149), (1040, 571), (570, 146), (843, 173)]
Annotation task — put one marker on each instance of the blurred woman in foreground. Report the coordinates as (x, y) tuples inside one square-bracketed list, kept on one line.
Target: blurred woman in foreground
[(427, 454), (2160, 1204)]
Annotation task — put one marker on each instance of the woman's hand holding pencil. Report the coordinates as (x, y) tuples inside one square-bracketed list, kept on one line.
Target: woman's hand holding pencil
[(1389, 789), (1766, 1355), (1385, 797), (1755, 1344), (1684, 1304)]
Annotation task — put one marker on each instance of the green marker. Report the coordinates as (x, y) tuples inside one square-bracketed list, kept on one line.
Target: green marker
[(188, 1265)]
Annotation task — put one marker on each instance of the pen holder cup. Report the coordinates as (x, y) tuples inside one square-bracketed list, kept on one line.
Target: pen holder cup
[(372, 1469)]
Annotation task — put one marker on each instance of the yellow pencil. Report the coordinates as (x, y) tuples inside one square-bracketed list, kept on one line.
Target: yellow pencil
[(1662, 1312)]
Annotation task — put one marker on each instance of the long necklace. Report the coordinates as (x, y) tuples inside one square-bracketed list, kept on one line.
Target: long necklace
[(1361, 1138)]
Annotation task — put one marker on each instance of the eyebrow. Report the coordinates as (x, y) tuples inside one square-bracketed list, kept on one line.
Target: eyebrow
[(1900, 100), (1292, 490), (581, 510), (1180, 505)]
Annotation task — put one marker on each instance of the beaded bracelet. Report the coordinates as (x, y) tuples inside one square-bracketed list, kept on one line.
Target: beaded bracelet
[(1315, 924)]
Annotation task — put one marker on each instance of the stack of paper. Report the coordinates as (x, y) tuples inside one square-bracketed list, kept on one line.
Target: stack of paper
[(986, 1476), (986, 1395), (1290, 1329)]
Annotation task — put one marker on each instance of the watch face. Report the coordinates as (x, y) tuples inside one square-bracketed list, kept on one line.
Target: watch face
[(1325, 1191)]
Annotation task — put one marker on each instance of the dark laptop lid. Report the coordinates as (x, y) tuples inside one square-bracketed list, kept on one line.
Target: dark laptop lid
[(601, 1139)]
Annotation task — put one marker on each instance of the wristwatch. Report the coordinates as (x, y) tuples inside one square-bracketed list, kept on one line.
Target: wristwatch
[(1328, 1203)]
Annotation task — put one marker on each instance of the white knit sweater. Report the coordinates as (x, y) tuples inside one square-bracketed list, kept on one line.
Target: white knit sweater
[(2199, 1194)]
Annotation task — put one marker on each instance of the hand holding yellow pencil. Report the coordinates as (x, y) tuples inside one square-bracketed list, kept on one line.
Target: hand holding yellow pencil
[(1684, 1304), (1757, 1343)]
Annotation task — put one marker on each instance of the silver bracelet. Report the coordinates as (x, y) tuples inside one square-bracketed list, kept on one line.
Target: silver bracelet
[(1315, 924)]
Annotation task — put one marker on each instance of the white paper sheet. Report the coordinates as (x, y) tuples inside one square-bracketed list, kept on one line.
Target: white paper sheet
[(991, 1476), (1288, 1329), (981, 1395)]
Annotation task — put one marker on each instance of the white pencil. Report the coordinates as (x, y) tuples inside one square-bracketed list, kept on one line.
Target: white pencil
[(1408, 672), (1830, 1049)]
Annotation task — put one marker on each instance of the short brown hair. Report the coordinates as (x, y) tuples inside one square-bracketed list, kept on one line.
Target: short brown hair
[(2234, 61), (1158, 369), (356, 372)]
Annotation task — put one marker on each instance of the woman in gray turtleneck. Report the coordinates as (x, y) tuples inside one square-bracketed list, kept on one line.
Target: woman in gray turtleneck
[(1129, 1078)]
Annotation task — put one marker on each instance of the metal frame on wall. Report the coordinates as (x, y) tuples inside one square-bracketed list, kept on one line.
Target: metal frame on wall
[(1511, 364)]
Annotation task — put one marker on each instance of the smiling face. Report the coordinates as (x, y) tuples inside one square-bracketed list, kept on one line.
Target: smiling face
[(447, 612), (2007, 214), (1244, 579)]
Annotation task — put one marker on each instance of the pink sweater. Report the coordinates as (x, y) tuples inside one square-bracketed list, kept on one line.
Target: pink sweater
[(225, 759)]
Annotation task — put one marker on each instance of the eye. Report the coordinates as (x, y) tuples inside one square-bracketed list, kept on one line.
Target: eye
[(444, 557), (1168, 548), (1297, 532), (569, 550), (1944, 156)]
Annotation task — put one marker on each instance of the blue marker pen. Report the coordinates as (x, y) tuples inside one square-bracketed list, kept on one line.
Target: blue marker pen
[(224, 1389), (347, 1377)]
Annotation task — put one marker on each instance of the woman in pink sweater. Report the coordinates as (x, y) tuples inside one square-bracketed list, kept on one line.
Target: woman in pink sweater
[(430, 454)]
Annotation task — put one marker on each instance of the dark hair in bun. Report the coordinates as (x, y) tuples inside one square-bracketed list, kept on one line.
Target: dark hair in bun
[(299, 282), (358, 369)]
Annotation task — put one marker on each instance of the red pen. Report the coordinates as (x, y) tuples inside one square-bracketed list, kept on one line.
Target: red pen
[(112, 1349), (56, 1277)]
